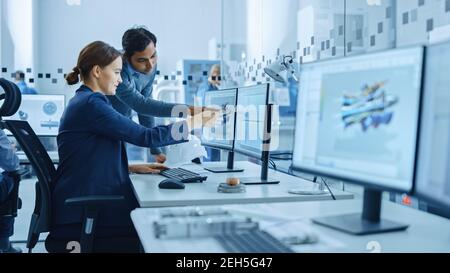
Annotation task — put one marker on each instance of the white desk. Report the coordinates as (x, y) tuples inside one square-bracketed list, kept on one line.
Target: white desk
[(427, 233), (150, 195)]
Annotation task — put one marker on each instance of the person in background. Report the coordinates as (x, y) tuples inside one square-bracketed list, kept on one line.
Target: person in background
[(93, 159), (138, 75), (20, 82), (9, 162), (212, 84)]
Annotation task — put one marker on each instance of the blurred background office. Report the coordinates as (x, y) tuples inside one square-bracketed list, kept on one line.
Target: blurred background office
[(199, 40)]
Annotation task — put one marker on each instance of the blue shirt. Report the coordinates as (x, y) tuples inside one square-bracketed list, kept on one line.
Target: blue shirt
[(8, 159), (24, 89), (134, 93), (8, 162), (203, 88), (93, 158)]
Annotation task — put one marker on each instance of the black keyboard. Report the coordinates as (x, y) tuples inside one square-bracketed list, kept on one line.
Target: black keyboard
[(183, 175), (253, 242)]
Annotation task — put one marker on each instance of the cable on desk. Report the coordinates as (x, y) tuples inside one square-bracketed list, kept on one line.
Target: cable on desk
[(291, 169), (273, 164), (326, 184), (279, 156), (276, 154)]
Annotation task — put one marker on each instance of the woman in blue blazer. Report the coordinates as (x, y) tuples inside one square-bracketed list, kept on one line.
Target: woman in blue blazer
[(93, 159)]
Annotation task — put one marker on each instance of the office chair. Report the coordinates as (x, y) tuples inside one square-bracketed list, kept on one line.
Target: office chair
[(41, 219), (11, 102)]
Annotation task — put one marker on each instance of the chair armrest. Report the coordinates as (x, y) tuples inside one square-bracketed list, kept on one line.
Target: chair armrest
[(17, 175), (95, 200), (91, 205)]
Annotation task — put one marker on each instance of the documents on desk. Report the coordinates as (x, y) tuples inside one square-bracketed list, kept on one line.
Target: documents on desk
[(229, 230), (196, 222), (290, 223)]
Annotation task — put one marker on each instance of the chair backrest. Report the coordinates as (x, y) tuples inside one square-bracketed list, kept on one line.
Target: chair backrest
[(11, 97), (36, 153), (45, 172)]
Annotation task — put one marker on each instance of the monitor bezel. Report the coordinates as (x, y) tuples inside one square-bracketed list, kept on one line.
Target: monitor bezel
[(221, 146), (431, 199), (37, 95), (243, 151), (370, 184)]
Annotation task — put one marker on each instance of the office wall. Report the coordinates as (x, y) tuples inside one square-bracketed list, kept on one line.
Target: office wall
[(184, 28), (321, 29), (419, 20), (370, 25), (268, 32), (268, 27), (313, 30), (234, 32), (61, 28), (17, 33)]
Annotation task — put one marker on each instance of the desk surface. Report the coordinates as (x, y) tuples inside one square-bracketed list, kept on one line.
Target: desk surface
[(427, 233), (150, 195)]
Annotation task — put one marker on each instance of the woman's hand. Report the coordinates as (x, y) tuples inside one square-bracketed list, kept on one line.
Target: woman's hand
[(146, 168), (205, 119), (196, 110), (161, 158)]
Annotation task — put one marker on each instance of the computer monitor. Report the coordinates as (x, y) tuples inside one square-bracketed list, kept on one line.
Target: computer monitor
[(221, 136), (254, 128), (433, 174), (42, 112), (252, 102), (357, 121)]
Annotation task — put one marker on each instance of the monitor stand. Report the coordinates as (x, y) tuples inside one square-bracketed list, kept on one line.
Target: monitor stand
[(317, 188), (258, 181), (265, 155), (264, 178), (230, 166), (369, 222)]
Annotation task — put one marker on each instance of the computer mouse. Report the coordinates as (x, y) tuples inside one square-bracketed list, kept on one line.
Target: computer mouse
[(171, 184)]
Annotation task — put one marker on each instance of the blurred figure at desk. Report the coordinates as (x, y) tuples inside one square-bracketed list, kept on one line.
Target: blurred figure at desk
[(9, 162), (20, 82), (212, 84)]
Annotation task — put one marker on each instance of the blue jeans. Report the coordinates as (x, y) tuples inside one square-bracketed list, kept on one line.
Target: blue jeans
[(6, 227), (6, 223)]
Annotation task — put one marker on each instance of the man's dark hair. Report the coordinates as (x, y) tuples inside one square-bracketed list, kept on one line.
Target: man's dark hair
[(136, 40)]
